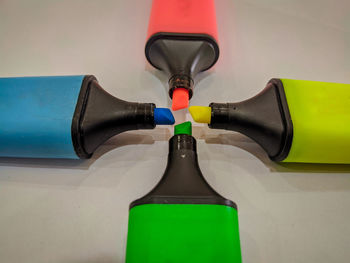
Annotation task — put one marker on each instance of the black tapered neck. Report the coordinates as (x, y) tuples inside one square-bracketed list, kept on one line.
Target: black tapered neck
[(264, 118), (181, 56), (99, 116), (183, 181)]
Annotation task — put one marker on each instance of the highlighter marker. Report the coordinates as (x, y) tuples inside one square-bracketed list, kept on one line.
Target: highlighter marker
[(292, 120), (182, 41), (183, 219), (66, 117)]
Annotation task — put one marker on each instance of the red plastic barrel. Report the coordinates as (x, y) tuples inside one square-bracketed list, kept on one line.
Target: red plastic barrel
[(183, 16)]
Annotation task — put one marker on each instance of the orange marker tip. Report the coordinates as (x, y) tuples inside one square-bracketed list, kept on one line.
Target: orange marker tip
[(180, 99)]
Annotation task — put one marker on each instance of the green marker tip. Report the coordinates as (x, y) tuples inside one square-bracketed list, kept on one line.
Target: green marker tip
[(183, 128)]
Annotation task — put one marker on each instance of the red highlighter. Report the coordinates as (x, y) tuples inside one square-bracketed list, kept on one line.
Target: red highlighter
[(182, 41)]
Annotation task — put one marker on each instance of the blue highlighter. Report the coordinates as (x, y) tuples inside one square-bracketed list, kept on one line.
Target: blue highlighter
[(66, 117)]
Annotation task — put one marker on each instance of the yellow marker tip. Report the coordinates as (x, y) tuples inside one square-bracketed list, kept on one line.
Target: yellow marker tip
[(200, 114)]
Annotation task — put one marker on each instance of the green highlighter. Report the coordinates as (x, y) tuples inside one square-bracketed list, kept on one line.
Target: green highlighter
[(183, 219), (293, 120)]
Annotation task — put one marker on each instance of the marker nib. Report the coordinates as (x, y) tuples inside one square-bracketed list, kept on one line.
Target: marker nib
[(183, 128), (200, 114), (163, 116), (180, 99)]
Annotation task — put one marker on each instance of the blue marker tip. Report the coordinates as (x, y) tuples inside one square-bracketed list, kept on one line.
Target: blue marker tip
[(163, 116)]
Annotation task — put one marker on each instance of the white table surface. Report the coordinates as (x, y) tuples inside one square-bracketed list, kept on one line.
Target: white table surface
[(77, 212)]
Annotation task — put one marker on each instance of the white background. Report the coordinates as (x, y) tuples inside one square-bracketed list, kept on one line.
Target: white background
[(77, 212)]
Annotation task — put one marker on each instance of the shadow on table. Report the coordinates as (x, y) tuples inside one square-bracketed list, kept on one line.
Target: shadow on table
[(101, 259), (243, 142), (119, 141)]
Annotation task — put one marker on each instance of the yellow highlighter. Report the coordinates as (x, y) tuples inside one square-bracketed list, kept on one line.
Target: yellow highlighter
[(293, 120)]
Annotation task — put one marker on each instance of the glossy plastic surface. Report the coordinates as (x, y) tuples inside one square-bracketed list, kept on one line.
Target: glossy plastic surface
[(36, 116), (179, 233), (321, 121), (183, 16)]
